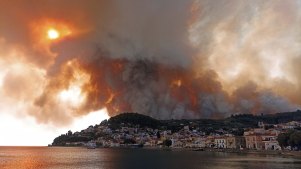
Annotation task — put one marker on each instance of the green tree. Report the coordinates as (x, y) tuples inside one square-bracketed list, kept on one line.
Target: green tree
[(295, 139), (129, 141), (283, 139), (69, 133), (291, 138), (167, 142), (158, 135)]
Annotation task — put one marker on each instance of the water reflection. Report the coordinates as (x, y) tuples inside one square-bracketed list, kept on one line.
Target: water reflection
[(65, 158)]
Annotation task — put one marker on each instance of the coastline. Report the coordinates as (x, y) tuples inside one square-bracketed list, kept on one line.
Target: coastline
[(257, 152), (295, 154)]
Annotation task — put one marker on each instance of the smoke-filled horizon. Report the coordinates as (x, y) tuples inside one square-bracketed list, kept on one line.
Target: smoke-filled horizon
[(168, 59)]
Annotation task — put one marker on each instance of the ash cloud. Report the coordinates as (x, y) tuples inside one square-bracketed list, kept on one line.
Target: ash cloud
[(168, 59)]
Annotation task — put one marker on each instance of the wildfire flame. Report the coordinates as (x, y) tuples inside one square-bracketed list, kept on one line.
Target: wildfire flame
[(177, 83), (110, 99), (74, 95)]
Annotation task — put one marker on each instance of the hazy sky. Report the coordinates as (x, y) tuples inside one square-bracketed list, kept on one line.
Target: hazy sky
[(68, 64)]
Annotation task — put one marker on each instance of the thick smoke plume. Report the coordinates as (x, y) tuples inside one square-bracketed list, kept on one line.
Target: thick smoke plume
[(169, 59)]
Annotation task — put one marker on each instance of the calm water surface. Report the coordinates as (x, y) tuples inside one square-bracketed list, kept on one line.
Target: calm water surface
[(73, 158)]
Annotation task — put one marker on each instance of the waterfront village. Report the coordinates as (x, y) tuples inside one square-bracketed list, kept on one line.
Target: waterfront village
[(262, 137)]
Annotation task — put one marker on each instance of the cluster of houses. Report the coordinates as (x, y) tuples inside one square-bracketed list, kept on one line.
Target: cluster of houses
[(258, 138)]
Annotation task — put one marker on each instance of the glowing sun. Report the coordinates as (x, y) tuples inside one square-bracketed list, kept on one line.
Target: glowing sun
[(53, 34)]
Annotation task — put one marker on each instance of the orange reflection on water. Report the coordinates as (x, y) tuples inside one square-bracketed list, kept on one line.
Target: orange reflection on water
[(27, 162), (21, 157)]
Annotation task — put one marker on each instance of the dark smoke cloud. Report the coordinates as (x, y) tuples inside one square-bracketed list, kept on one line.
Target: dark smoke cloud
[(167, 59)]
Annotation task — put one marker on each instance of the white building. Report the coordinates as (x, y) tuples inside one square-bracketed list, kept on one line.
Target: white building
[(220, 142)]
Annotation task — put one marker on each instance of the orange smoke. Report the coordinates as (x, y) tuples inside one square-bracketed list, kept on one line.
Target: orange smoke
[(47, 32), (201, 59)]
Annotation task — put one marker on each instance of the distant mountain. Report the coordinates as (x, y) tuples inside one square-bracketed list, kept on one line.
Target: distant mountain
[(277, 118)]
